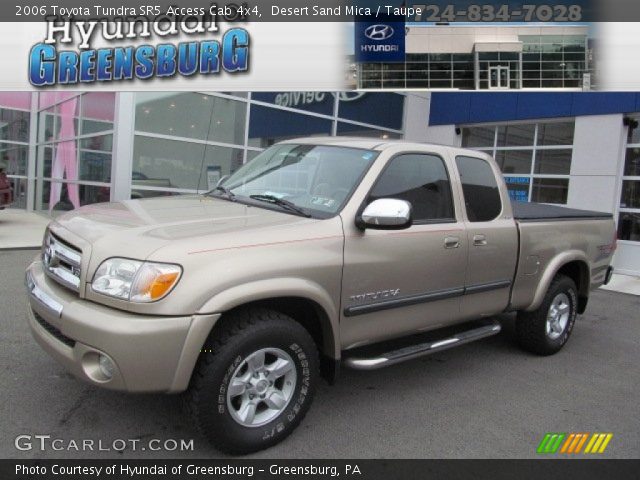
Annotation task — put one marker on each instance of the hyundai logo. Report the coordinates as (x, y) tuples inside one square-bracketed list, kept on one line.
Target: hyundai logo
[(378, 32)]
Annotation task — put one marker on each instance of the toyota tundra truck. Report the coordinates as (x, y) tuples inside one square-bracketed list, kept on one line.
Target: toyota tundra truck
[(319, 253)]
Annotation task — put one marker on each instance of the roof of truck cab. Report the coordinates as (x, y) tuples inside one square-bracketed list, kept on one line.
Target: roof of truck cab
[(375, 143)]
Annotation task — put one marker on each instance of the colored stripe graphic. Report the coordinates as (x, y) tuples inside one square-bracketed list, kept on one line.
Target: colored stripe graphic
[(551, 442), (598, 443), (572, 443)]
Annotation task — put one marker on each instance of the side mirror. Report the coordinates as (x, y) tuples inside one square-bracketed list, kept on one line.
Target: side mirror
[(222, 180), (386, 214)]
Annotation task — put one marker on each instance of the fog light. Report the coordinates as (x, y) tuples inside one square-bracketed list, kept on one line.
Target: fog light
[(106, 366)]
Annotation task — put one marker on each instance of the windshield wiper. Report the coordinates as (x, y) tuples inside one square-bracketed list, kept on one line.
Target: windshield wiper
[(281, 203), (225, 191)]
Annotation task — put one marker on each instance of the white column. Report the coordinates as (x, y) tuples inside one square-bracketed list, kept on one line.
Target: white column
[(122, 153), (598, 153), (31, 158), (416, 116)]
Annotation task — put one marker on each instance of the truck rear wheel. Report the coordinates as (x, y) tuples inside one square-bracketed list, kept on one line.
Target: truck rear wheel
[(254, 381), (546, 330)]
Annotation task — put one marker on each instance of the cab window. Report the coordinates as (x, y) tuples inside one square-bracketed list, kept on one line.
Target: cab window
[(422, 180), (480, 189)]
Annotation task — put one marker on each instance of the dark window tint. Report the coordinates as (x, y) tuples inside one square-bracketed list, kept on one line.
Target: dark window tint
[(629, 226), (421, 180), (480, 189)]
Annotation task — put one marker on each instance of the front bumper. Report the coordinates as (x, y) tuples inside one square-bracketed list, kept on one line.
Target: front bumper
[(149, 354)]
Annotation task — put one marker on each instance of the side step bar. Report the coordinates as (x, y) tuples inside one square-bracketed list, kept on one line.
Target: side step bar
[(421, 349)]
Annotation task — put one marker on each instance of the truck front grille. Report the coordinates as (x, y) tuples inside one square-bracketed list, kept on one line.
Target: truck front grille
[(69, 342), (62, 262)]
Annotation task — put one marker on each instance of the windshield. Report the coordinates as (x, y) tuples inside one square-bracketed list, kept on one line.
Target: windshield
[(315, 178)]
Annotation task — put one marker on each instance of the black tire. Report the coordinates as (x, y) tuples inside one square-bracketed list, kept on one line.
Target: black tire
[(244, 332), (531, 327)]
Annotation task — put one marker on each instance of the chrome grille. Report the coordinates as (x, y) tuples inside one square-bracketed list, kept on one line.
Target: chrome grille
[(62, 262)]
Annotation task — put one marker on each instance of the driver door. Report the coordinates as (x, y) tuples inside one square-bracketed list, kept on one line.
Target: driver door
[(396, 282)]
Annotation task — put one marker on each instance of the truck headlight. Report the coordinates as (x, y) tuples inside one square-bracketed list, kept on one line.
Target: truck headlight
[(135, 281)]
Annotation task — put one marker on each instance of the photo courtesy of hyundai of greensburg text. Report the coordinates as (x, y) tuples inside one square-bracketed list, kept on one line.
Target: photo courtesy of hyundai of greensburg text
[(274, 239)]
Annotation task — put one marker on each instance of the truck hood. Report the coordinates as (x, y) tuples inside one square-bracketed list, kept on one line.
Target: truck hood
[(137, 228)]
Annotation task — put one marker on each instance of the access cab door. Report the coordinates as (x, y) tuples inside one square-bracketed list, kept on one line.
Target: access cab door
[(398, 282), (492, 238)]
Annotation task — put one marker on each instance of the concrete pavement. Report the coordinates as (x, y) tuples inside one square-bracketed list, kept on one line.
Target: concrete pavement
[(485, 399)]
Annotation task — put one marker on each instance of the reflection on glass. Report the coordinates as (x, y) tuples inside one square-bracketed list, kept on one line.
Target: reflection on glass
[(14, 125), (317, 178), (630, 197), (629, 226), (269, 125), (514, 161), (191, 115), (177, 164), (550, 190), (13, 158), (553, 162), (87, 194)]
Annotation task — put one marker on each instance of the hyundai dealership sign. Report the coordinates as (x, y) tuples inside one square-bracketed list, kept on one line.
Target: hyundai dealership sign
[(380, 40)]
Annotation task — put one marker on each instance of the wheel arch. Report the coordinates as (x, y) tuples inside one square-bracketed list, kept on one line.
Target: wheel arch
[(572, 264), (305, 302)]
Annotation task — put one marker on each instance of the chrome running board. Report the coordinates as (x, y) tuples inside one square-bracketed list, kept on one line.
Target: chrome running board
[(426, 348)]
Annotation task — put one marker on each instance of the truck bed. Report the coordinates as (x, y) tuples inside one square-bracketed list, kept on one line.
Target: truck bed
[(538, 212)]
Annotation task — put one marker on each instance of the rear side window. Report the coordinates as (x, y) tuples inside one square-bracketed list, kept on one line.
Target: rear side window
[(480, 189), (420, 179)]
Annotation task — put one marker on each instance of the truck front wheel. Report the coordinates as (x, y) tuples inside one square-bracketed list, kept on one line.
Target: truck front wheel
[(546, 330), (254, 381)]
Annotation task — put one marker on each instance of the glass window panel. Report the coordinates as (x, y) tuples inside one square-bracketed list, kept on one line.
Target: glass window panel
[(630, 194), (137, 194), (629, 226), (19, 188), (440, 57), (515, 135), (479, 188), (478, 136), (13, 158), (554, 162), (86, 194), (632, 162), (514, 161), (550, 190), (14, 125), (176, 164), (45, 158), (269, 125), (530, 83), (518, 188), (421, 180), (489, 56), (556, 83), (560, 133), (95, 158), (191, 115), (633, 134), (98, 110)]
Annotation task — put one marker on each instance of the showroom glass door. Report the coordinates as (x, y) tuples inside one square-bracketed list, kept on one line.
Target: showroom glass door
[(498, 78)]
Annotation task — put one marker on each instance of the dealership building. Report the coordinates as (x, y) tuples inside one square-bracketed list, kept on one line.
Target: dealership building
[(486, 57), (67, 149)]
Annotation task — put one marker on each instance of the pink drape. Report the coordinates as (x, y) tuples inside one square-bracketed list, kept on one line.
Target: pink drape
[(65, 159)]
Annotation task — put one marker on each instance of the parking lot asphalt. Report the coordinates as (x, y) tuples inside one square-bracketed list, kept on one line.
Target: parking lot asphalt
[(484, 400)]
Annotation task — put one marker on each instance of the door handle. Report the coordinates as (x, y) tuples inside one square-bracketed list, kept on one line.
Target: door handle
[(479, 240), (451, 242)]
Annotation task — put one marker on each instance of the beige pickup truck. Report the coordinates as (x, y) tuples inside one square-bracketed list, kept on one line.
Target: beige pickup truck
[(317, 253)]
